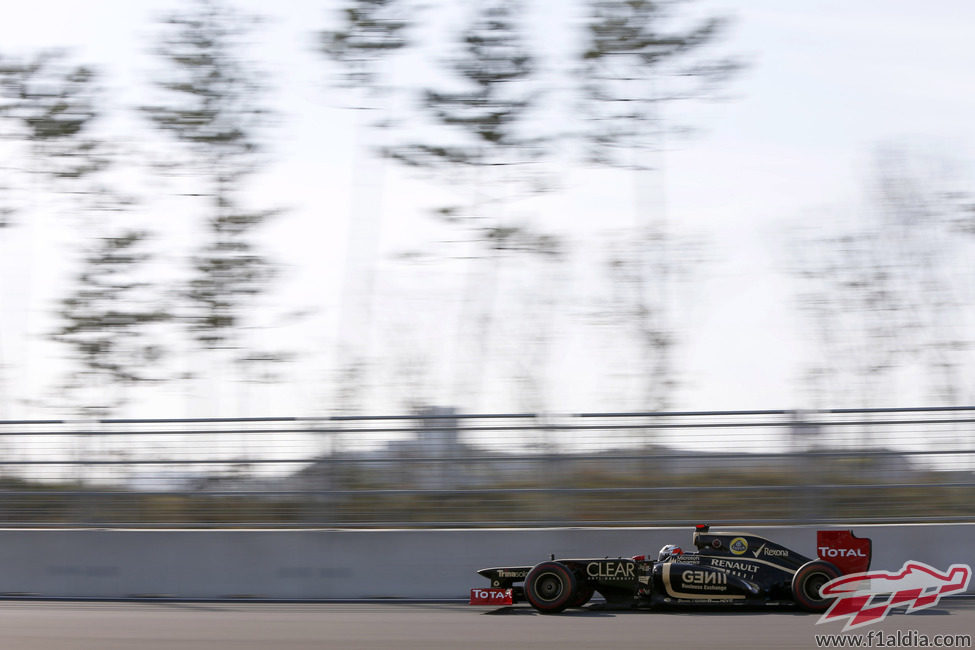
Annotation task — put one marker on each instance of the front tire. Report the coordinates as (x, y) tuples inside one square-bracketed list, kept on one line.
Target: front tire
[(807, 582), (550, 587)]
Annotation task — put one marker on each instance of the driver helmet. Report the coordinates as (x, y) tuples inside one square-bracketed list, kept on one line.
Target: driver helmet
[(668, 552)]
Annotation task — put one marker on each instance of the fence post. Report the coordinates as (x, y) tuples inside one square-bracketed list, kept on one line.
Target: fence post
[(804, 434)]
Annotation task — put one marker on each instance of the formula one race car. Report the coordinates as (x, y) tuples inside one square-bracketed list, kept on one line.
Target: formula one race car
[(727, 569)]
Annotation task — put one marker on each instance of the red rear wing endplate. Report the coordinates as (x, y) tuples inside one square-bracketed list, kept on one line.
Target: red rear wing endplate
[(850, 554)]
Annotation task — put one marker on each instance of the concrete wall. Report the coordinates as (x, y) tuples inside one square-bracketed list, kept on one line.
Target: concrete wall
[(362, 564)]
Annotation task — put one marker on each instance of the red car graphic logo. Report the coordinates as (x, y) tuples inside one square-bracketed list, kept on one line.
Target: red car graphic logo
[(865, 598)]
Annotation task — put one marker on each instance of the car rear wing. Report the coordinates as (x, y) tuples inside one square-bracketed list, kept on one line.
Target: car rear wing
[(850, 554)]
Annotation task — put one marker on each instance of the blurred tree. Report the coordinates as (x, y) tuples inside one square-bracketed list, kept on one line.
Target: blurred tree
[(106, 319), (368, 34), (11, 73), (484, 127), (884, 295), (485, 136), (637, 57), (52, 103), (211, 106)]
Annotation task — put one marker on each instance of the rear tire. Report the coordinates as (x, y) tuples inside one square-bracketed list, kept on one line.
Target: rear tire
[(807, 581), (550, 587)]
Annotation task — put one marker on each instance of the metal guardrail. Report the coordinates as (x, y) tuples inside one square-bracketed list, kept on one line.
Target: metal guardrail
[(441, 468)]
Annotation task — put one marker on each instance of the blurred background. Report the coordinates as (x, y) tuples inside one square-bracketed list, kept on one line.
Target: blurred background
[(506, 262)]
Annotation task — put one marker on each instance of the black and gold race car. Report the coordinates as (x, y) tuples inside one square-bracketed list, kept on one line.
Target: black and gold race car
[(726, 568)]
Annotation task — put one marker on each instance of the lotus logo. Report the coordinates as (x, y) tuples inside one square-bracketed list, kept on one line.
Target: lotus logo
[(738, 545), (865, 598)]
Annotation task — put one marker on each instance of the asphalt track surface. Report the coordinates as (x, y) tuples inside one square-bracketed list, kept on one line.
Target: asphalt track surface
[(267, 626)]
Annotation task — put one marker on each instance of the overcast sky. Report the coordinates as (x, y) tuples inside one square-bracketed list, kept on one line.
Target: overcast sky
[(828, 82)]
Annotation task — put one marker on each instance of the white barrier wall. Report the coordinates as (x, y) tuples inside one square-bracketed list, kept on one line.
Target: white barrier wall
[(78, 563)]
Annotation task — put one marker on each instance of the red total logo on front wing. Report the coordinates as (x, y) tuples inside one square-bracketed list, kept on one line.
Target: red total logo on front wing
[(491, 596)]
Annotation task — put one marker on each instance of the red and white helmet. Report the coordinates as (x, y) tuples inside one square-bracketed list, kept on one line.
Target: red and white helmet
[(668, 552)]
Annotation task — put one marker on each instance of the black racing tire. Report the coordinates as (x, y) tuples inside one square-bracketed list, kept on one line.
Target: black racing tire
[(550, 587), (807, 581), (582, 595)]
